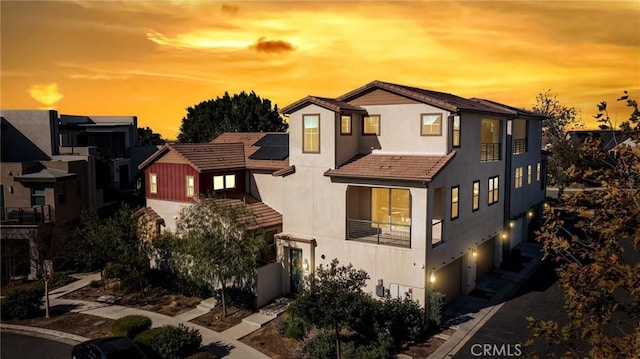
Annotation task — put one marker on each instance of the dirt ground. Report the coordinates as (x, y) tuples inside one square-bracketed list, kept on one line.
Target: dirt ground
[(216, 321), (75, 323)]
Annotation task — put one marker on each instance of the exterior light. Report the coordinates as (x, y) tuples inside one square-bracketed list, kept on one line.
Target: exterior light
[(504, 235), (432, 277), (512, 224), (530, 214), (474, 253), (305, 265)]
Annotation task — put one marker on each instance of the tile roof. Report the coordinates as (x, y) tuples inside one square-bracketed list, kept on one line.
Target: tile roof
[(40, 173), (328, 103), (413, 168), (150, 214), (264, 216), (442, 100), (204, 156), (515, 110), (248, 139)]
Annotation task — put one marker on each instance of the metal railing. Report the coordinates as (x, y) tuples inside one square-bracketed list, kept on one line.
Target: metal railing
[(436, 232), (393, 234), (489, 152), (519, 146), (27, 215)]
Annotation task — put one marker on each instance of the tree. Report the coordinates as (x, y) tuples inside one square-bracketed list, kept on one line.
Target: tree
[(598, 258), (146, 136), (332, 298), (241, 113), (215, 245), (561, 165)]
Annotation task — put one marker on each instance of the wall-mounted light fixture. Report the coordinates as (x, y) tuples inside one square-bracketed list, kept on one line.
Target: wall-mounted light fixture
[(504, 235), (474, 253), (512, 224), (530, 214), (305, 265), (432, 277)]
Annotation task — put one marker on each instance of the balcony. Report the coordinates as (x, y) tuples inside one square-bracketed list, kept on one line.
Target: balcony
[(385, 233), (490, 152), (27, 215), (519, 146)]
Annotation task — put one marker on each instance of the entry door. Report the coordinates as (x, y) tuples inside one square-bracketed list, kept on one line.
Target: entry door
[(295, 263)]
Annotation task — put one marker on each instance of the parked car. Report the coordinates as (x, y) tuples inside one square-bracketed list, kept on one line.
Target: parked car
[(107, 348)]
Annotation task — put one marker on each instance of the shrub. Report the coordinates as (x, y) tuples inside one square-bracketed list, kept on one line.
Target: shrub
[(292, 327), (203, 355), (437, 301), (237, 297), (320, 346), (403, 318), (174, 283), (114, 270), (380, 348), (22, 302), (56, 281), (95, 284), (130, 326), (170, 342)]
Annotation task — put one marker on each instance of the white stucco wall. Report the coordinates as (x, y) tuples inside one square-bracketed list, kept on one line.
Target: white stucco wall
[(266, 188), (168, 210)]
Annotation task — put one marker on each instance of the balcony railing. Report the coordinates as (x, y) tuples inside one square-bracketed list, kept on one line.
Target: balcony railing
[(490, 152), (519, 146), (436, 232), (27, 215), (391, 234)]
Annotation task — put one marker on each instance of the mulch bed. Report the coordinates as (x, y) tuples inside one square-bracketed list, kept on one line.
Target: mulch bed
[(271, 343), (215, 320), (75, 323)]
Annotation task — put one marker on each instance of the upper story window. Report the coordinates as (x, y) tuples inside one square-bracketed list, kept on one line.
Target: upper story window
[(455, 132), (345, 124), (38, 195), (371, 125), (191, 186), (430, 124), (529, 174), (455, 208), (490, 140), (153, 183), (311, 133), (475, 201), (518, 177), (224, 182), (519, 136), (538, 172), (493, 190)]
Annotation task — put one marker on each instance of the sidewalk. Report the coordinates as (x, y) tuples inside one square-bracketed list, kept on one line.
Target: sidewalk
[(467, 314)]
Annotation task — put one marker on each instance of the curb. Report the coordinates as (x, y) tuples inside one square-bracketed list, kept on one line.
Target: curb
[(59, 336)]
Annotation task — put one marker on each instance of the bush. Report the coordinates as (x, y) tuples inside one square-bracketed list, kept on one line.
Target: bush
[(170, 342), (95, 284), (56, 281), (320, 346), (174, 283), (130, 326), (114, 270), (22, 302), (203, 355), (380, 348), (403, 318), (437, 301), (292, 327)]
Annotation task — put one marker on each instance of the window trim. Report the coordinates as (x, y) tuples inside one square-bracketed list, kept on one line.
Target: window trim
[(422, 124), (364, 133), (303, 132), (193, 188), (153, 183), (457, 202), (453, 131), (350, 117), (475, 196), (493, 192), (42, 188)]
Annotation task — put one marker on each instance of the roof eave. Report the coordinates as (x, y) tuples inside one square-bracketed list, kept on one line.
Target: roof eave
[(329, 173)]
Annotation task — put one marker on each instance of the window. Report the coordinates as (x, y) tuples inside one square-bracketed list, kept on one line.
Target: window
[(518, 177), (392, 207), (519, 137), (371, 125), (529, 174), (153, 180), (345, 125), (37, 195), (455, 210), (475, 202), (191, 186), (431, 124), (493, 190), (490, 140), (311, 133), (455, 132), (224, 182), (538, 172)]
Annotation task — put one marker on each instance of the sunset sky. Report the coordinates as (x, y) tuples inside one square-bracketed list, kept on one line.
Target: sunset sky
[(155, 59)]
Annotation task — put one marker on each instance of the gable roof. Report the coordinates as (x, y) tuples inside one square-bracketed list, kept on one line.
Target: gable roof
[(328, 103), (203, 156), (414, 168), (441, 100), (249, 141), (263, 215)]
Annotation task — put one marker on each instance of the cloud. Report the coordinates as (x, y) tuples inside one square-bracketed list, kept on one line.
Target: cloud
[(272, 46), (47, 95), (230, 9), (204, 40), (105, 77)]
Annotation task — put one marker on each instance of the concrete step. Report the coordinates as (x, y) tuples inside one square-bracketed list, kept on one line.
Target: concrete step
[(208, 304), (278, 306), (258, 319), (240, 330)]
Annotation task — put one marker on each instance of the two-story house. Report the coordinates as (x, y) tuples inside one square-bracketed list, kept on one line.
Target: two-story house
[(419, 188)]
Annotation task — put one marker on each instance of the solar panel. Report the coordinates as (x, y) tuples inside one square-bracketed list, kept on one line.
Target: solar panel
[(273, 140), (276, 153)]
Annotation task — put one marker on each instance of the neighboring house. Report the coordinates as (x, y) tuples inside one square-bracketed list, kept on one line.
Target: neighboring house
[(408, 184)]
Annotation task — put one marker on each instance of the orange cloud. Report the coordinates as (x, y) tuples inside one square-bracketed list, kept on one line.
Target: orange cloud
[(47, 95), (230, 9), (272, 46)]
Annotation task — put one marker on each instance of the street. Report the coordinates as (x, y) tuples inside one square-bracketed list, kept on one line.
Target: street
[(17, 346)]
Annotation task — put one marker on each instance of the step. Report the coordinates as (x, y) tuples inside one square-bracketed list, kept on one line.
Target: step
[(258, 319), (208, 304)]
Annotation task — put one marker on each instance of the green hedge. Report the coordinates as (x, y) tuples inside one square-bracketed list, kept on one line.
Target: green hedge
[(130, 326), (22, 302), (170, 342)]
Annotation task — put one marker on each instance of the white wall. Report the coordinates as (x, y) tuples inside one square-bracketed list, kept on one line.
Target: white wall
[(168, 210), (266, 188)]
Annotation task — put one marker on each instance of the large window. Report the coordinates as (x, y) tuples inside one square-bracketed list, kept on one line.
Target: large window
[(518, 177), (224, 182), (455, 132), (38, 195), (529, 174), (392, 206), (430, 124), (490, 140), (519, 136), (455, 208), (475, 201), (311, 133), (493, 190), (345, 124), (371, 125), (153, 183), (191, 186)]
